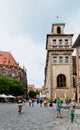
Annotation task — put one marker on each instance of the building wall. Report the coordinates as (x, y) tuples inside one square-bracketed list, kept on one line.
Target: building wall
[(10, 68), (55, 69), (14, 72), (78, 70), (48, 80)]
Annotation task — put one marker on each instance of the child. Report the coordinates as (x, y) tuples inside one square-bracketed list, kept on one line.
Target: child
[(71, 111), (58, 108)]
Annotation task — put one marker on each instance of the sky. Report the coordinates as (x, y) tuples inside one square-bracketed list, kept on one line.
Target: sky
[(24, 25)]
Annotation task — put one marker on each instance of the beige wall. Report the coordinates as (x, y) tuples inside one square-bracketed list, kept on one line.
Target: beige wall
[(54, 69)]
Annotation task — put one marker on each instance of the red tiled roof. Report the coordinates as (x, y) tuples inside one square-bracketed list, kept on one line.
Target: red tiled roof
[(7, 59)]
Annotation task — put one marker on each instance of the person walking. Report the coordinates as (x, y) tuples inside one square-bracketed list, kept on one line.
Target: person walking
[(30, 102), (41, 101), (33, 102), (19, 106), (58, 108)]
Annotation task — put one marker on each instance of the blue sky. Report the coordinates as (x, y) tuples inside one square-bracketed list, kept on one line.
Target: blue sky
[(24, 25)]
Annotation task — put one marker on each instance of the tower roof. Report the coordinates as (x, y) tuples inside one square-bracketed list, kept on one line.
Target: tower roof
[(58, 21)]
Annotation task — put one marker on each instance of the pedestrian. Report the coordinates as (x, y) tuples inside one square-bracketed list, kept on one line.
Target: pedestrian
[(37, 101), (41, 101), (33, 102), (19, 106), (71, 112), (45, 103), (58, 108), (74, 103), (23, 102), (30, 102)]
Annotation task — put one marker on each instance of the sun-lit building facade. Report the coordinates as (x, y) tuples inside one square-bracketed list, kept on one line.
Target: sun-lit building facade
[(60, 68)]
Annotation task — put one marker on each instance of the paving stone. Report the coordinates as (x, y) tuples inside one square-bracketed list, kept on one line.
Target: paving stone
[(35, 118)]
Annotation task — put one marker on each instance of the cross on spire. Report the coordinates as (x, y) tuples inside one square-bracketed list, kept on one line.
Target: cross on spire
[(57, 17)]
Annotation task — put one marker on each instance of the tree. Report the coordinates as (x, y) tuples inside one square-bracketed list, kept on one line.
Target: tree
[(32, 93), (11, 86), (37, 92)]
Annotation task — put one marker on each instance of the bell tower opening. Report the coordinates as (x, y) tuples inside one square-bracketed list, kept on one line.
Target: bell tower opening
[(58, 30)]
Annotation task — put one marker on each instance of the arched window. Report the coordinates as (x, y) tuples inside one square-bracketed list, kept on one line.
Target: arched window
[(61, 81), (58, 30), (4, 73), (13, 74)]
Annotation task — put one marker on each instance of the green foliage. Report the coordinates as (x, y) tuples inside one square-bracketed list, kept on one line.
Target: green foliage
[(32, 93), (37, 92), (11, 86)]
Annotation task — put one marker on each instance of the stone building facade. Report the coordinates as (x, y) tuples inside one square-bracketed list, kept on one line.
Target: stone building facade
[(59, 77), (10, 68), (76, 45)]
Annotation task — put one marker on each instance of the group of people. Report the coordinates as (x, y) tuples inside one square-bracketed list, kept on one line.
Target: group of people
[(45, 102), (71, 110), (31, 102), (39, 101)]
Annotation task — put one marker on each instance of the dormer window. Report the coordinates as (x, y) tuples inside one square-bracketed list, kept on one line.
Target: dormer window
[(58, 30)]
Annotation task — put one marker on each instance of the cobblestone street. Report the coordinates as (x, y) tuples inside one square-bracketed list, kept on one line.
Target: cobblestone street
[(35, 118)]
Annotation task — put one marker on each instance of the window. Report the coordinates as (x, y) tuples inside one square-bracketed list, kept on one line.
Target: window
[(60, 59), (54, 60), (58, 30), (60, 42), (61, 81), (54, 42), (66, 59), (79, 89), (74, 82), (13, 74), (66, 42), (3, 73)]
